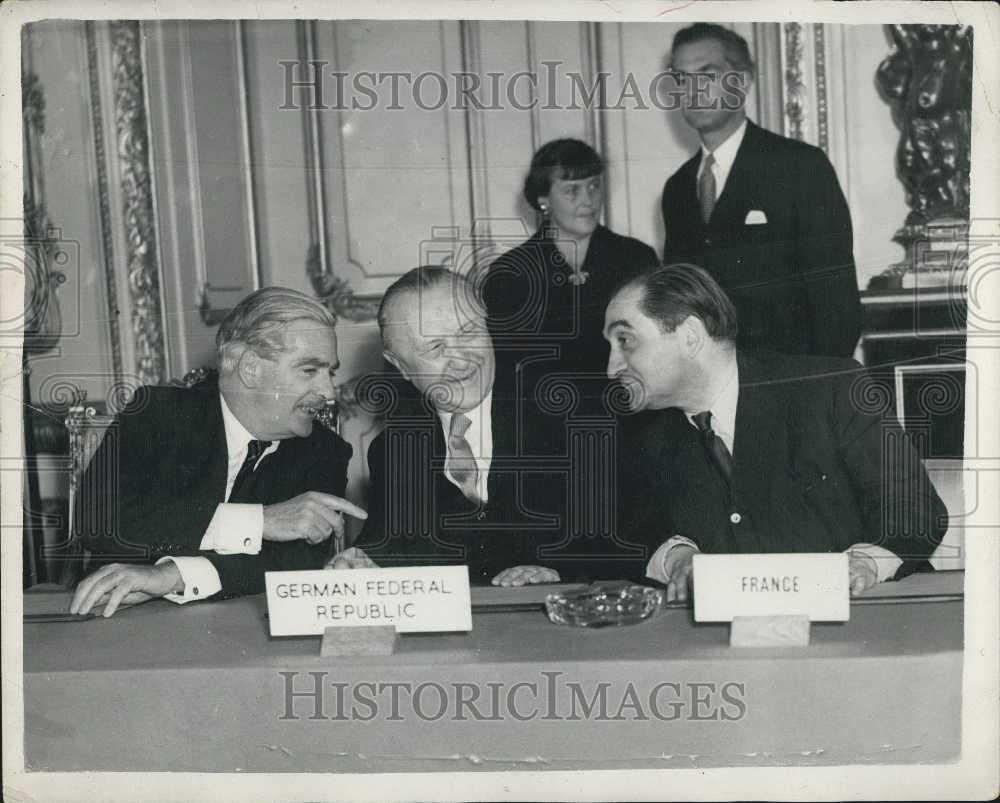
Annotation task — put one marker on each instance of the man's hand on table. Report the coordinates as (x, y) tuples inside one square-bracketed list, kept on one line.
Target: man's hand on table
[(119, 584), (351, 558), (863, 572), (680, 578), (311, 517), (525, 575)]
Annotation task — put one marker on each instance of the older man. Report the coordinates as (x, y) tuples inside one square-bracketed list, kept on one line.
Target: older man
[(757, 452), (219, 483), (461, 474)]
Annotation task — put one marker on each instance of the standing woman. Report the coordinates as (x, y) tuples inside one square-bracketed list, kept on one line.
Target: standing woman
[(551, 291)]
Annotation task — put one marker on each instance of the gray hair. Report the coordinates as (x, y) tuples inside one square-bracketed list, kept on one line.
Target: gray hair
[(424, 278), (259, 320)]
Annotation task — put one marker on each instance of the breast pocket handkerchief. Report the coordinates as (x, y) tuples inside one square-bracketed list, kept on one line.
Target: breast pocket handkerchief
[(755, 217)]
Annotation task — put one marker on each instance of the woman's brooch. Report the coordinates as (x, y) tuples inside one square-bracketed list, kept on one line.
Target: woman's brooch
[(579, 277)]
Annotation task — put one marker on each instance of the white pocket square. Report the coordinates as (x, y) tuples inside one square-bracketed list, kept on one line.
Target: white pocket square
[(755, 217)]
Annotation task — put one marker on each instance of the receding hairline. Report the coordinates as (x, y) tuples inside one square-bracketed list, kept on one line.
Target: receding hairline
[(390, 302)]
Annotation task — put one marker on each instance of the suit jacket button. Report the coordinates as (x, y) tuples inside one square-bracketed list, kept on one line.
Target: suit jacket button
[(736, 518), (246, 542), (708, 241), (481, 515)]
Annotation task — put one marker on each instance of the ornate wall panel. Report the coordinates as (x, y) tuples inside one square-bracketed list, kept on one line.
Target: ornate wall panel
[(201, 144), (140, 253), (391, 171)]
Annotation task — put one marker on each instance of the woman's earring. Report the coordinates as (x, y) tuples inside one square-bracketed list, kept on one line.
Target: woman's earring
[(544, 208)]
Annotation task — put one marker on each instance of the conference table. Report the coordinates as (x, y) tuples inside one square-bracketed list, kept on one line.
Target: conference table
[(203, 687)]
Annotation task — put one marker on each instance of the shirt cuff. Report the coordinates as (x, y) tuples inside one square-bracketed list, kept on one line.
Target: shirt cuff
[(199, 576), (234, 530), (886, 563), (661, 563)]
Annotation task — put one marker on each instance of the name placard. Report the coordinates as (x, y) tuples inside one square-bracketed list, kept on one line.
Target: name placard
[(793, 584), (414, 600)]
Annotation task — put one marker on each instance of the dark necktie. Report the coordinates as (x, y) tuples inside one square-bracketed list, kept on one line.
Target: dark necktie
[(461, 462), (706, 188), (714, 445), (254, 450)]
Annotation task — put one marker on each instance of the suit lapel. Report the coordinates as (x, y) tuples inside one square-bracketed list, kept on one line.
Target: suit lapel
[(760, 414), (738, 193), (205, 451), (504, 433), (690, 213)]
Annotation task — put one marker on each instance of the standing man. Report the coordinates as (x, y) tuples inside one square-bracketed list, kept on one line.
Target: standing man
[(763, 214), (757, 452), (213, 485), (460, 475)]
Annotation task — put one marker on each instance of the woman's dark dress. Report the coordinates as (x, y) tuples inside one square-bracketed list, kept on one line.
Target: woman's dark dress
[(549, 326)]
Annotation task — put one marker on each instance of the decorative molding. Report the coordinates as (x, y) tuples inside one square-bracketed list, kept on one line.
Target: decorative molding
[(475, 142), (41, 324), (137, 191), (590, 65), (313, 158), (769, 78), (595, 122), (793, 87), (209, 316), (191, 153), (531, 51), (246, 143), (335, 293), (104, 203), (819, 71)]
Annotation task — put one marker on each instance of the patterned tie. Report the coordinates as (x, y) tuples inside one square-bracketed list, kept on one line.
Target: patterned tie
[(461, 462), (715, 446), (254, 450), (706, 188)]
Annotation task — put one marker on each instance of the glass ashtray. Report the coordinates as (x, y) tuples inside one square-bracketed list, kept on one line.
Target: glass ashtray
[(604, 605)]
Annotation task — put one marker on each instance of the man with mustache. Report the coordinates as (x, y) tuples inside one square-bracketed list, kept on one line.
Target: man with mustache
[(460, 474), (757, 452), (216, 484)]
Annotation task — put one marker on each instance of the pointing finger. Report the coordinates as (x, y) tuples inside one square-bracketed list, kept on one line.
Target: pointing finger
[(342, 505)]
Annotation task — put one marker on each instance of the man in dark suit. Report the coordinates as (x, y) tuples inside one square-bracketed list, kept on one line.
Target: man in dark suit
[(216, 484), (763, 214), (757, 452), (465, 472)]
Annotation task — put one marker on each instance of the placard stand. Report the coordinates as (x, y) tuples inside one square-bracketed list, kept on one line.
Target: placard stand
[(769, 631), (366, 640)]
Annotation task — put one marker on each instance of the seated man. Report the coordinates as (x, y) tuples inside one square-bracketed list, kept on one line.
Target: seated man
[(461, 475), (216, 484), (757, 452)]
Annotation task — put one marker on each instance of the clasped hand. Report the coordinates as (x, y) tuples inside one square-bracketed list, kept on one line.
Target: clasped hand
[(355, 558), (310, 517)]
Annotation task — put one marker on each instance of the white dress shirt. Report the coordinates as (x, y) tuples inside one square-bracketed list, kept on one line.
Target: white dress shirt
[(725, 155), (480, 439), (723, 422), (235, 529)]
